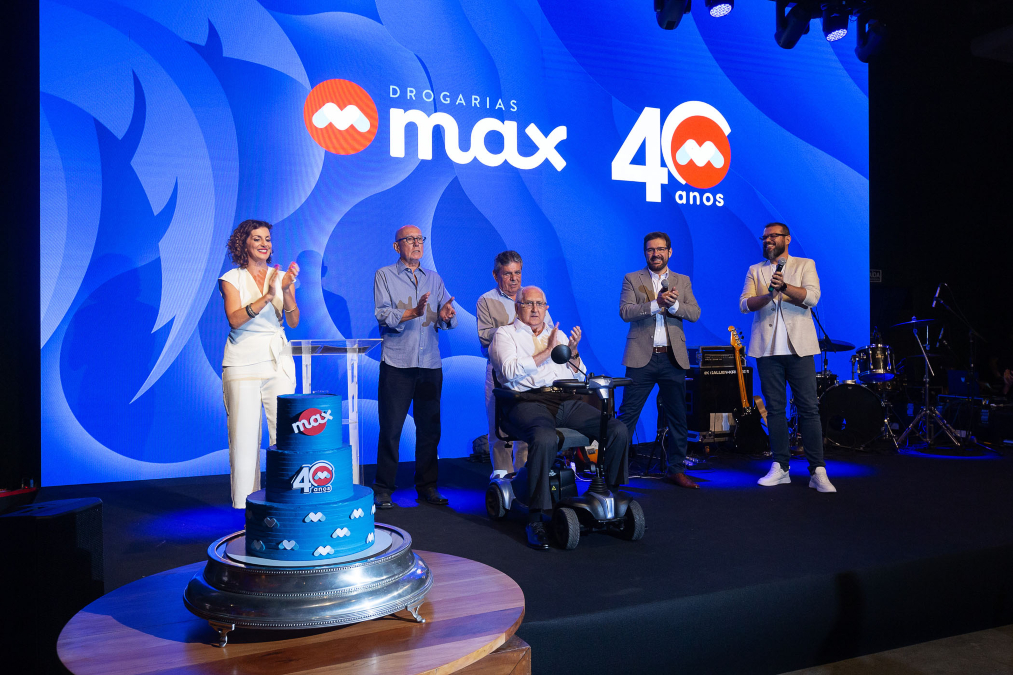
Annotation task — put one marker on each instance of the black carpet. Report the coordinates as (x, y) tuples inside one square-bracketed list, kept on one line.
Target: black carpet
[(731, 578)]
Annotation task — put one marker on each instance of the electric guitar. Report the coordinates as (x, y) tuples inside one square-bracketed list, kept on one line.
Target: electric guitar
[(749, 434)]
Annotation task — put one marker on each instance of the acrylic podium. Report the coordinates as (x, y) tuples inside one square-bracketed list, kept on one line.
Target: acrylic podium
[(308, 350)]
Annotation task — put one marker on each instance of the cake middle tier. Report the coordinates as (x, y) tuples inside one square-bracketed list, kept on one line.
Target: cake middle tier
[(309, 532), (309, 476)]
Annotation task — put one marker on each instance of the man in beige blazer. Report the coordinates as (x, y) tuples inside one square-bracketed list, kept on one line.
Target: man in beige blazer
[(655, 301), (783, 341)]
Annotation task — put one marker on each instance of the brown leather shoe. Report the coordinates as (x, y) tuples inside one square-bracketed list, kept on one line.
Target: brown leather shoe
[(682, 480)]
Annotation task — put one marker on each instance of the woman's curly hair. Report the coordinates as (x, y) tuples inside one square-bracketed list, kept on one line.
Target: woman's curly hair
[(237, 241)]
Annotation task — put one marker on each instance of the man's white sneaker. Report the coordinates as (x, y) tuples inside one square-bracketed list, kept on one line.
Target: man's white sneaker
[(497, 473), (776, 476), (820, 481)]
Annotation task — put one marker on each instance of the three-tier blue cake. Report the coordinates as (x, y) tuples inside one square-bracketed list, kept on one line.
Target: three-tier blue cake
[(310, 509)]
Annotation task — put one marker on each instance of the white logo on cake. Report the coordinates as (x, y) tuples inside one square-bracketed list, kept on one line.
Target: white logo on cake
[(270, 522), (288, 545), (324, 550), (310, 419), (340, 532), (314, 517), (369, 538), (357, 513), (257, 545), (314, 478)]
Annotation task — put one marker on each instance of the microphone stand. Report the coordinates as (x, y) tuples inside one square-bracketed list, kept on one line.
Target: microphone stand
[(823, 353), (928, 413), (972, 374)]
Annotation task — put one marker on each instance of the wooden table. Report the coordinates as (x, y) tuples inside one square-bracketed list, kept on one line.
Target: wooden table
[(143, 627)]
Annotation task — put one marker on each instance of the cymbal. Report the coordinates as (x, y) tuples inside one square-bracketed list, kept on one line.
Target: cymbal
[(913, 322), (828, 345)]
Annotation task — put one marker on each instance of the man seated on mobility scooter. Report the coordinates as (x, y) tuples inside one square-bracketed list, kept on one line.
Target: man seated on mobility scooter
[(521, 355)]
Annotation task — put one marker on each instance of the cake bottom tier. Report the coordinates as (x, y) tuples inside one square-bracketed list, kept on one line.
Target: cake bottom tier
[(312, 531)]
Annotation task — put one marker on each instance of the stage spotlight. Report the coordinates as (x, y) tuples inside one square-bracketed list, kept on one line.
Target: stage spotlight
[(835, 21), (720, 7), (792, 25), (871, 36), (669, 12)]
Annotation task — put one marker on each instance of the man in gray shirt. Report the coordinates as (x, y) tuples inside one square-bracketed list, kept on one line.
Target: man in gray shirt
[(496, 308), (412, 305)]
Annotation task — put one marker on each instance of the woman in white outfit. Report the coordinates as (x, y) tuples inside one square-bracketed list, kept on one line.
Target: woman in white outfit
[(257, 367)]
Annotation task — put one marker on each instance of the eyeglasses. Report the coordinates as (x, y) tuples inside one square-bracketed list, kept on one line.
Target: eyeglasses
[(531, 304), (771, 236), (652, 251), (412, 240)]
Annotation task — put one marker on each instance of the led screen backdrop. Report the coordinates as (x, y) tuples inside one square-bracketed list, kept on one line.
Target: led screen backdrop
[(563, 130)]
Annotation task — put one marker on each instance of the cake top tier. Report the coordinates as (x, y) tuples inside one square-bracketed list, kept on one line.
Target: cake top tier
[(309, 422)]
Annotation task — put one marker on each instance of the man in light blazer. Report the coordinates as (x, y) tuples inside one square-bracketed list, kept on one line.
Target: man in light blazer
[(656, 346), (783, 341)]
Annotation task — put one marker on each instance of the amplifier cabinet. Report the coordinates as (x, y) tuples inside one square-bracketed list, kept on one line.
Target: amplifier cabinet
[(51, 561), (711, 395)]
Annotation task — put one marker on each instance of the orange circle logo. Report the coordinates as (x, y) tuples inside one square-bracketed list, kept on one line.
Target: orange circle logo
[(340, 116), (694, 141), (701, 151)]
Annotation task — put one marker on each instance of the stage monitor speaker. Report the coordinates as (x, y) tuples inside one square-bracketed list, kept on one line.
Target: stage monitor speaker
[(711, 395), (51, 560)]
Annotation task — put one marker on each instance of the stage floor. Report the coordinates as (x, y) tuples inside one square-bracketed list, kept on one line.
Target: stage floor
[(728, 578)]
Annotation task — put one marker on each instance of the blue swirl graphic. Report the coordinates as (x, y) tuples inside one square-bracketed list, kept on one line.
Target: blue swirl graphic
[(162, 125)]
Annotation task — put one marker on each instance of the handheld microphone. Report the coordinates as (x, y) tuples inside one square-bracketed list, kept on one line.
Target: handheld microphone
[(780, 266), (935, 300)]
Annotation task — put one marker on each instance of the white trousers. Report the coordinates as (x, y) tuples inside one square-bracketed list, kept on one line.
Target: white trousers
[(248, 390), (499, 450)]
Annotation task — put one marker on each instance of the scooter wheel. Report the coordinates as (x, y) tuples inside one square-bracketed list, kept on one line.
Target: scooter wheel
[(494, 505), (633, 522), (566, 527)]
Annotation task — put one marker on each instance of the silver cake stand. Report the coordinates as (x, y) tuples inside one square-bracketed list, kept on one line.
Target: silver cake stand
[(236, 590)]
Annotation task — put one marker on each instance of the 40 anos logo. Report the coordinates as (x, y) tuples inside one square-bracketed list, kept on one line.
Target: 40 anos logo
[(312, 421), (314, 478), (694, 143)]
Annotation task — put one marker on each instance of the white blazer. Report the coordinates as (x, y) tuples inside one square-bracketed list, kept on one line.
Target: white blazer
[(797, 318)]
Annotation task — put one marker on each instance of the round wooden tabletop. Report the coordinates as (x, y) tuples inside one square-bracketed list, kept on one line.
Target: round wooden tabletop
[(143, 627)]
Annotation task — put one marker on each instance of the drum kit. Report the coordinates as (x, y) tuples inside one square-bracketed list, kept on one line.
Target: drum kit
[(857, 412)]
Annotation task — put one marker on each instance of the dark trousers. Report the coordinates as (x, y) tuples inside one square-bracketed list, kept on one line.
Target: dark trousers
[(400, 388), (661, 370), (800, 373), (535, 424)]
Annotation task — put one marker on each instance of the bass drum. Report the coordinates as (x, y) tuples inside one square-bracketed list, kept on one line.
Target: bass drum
[(852, 415)]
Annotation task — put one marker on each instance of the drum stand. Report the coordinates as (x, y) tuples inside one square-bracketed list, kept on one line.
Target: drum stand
[(887, 429), (928, 413), (887, 409)]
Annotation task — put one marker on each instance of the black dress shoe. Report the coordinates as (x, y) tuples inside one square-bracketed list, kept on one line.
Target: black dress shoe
[(382, 500), (538, 538), (432, 496)]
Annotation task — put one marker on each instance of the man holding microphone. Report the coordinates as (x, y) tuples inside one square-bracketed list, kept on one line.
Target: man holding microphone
[(783, 340)]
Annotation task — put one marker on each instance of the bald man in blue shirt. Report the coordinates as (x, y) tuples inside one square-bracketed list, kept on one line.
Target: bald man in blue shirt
[(412, 306)]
